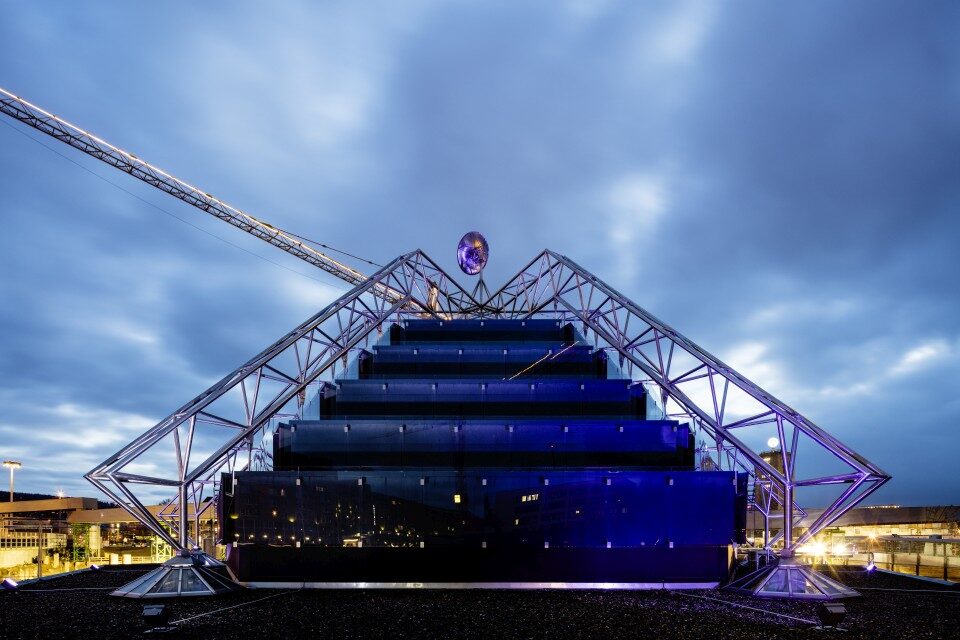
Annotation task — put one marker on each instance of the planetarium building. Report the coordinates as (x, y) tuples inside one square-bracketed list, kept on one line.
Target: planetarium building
[(417, 432), (500, 452)]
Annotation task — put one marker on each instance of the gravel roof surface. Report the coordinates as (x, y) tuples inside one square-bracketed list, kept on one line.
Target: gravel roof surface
[(79, 605)]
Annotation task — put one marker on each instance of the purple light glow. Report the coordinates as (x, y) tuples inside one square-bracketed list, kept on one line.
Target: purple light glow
[(472, 253)]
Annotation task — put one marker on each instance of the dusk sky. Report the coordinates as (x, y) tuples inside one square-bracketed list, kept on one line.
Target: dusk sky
[(778, 181)]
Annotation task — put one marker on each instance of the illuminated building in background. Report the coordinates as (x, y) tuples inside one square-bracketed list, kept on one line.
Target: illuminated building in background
[(923, 541)]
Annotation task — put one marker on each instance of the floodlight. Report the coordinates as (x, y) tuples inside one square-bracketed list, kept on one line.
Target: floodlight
[(13, 465), (831, 614), (155, 615)]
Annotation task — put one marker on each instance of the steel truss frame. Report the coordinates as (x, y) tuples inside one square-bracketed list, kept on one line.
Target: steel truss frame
[(233, 415), (689, 383), (695, 385), (96, 147), (692, 383)]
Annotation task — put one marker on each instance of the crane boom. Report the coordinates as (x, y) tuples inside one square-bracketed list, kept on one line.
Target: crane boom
[(56, 127)]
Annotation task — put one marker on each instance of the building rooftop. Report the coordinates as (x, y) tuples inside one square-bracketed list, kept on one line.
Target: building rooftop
[(891, 606), (85, 510), (116, 514), (879, 515), (49, 504)]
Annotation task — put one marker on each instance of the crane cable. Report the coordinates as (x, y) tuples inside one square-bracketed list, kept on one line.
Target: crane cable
[(190, 224), (334, 267), (340, 251)]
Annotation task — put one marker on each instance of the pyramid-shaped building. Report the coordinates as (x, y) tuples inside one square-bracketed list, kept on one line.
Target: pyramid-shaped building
[(412, 433), (482, 452)]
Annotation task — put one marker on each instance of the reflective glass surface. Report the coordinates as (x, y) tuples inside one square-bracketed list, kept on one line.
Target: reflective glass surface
[(190, 581), (483, 434), (778, 583), (169, 583), (393, 508), (144, 583)]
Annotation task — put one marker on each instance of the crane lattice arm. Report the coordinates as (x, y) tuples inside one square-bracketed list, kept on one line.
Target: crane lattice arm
[(53, 126)]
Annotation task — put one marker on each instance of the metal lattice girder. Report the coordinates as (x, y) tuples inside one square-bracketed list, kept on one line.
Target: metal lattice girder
[(696, 385), (238, 409), (691, 380), (692, 384), (96, 147)]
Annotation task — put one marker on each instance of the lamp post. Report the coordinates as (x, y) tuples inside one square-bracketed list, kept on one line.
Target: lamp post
[(13, 465)]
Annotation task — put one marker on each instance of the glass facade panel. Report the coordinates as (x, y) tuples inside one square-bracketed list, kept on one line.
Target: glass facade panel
[(569, 442), (144, 583), (169, 583), (438, 506), (778, 583), (191, 582), (800, 583)]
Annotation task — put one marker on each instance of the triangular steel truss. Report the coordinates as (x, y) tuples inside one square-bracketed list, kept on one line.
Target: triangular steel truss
[(222, 428), (696, 385), (688, 382)]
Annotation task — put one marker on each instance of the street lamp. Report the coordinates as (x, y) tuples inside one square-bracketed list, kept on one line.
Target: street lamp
[(13, 465)]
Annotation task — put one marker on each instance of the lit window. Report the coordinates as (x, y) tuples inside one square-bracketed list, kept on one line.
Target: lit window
[(523, 498), (456, 498)]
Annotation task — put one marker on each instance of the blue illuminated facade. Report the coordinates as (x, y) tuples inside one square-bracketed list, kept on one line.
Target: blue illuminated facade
[(482, 451)]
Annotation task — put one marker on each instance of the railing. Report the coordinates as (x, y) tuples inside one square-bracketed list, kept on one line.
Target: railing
[(21, 539)]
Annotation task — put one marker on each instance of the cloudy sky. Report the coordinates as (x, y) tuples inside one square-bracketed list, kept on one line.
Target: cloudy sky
[(779, 182)]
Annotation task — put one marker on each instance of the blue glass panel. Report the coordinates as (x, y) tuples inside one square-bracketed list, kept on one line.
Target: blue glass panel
[(471, 443), (502, 507)]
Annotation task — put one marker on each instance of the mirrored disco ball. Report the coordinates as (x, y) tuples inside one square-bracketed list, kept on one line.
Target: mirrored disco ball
[(472, 253)]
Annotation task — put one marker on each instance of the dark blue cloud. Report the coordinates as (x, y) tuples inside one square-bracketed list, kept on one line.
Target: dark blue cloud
[(779, 182)]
